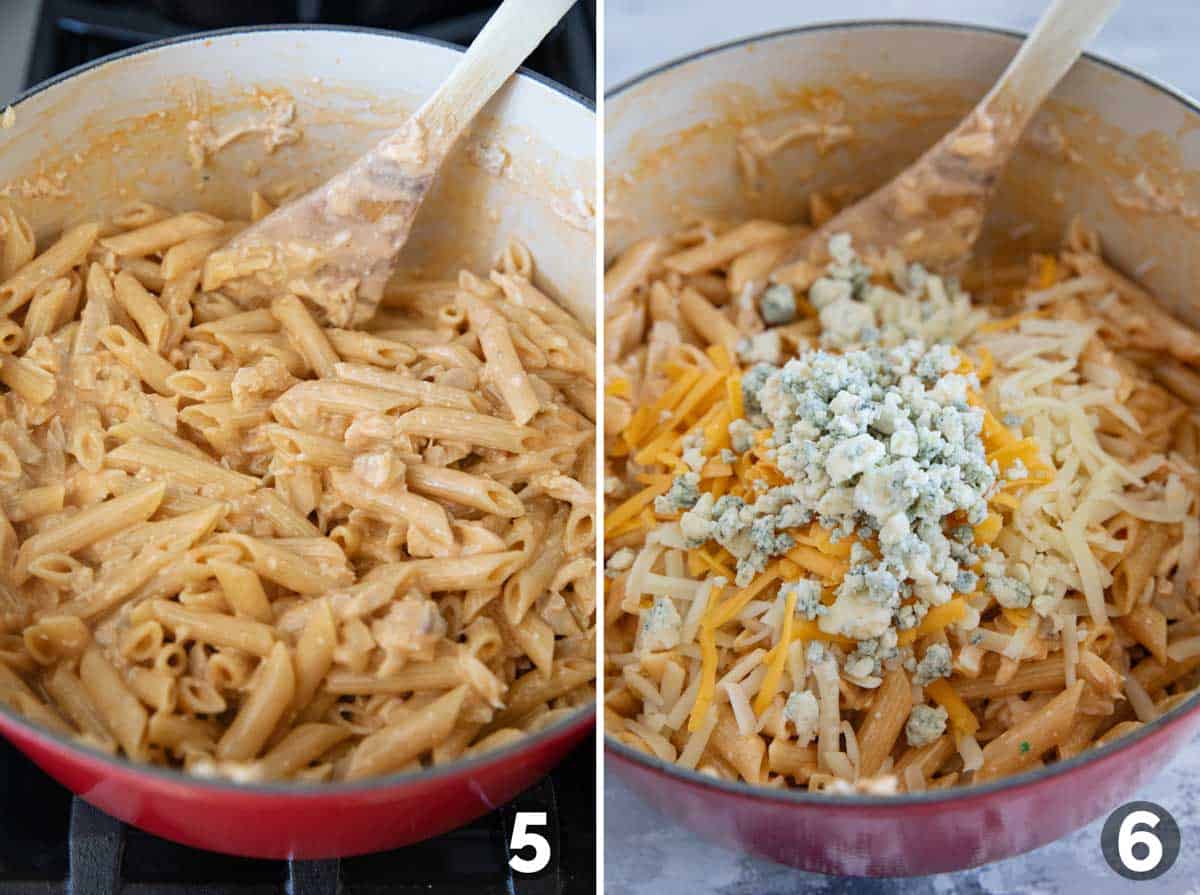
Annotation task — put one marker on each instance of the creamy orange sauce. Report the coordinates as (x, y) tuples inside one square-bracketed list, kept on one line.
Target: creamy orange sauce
[(277, 126), (335, 246)]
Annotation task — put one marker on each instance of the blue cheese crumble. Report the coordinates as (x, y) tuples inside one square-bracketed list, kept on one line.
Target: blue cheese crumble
[(778, 304), (835, 419), (925, 724), (856, 312), (802, 710), (808, 598), (693, 451), (682, 495), (1016, 471), (752, 383), (619, 562), (933, 665), (761, 348), (1010, 592), (661, 625), (879, 443), (741, 436)]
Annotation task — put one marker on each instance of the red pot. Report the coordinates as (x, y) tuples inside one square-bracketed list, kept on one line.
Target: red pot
[(909, 835), (671, 138), (122, 122), (293, 821)]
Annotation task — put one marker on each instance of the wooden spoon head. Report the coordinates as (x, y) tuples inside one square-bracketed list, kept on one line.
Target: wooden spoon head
[(335, 246), (933, 211)]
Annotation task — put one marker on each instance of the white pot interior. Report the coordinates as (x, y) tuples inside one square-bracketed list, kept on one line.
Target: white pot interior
[(119, 130), (1129, 163)]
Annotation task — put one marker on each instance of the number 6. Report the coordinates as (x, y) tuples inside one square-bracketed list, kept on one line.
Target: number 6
[(523, 837), (1128, 837)]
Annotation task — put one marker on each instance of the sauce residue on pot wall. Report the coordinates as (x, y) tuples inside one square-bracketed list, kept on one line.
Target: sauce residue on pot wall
[(1071, 162), (475, 206), (276, 125)]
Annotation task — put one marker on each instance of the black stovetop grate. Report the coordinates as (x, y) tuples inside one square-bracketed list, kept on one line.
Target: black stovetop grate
[(72, 32), (53, 844)]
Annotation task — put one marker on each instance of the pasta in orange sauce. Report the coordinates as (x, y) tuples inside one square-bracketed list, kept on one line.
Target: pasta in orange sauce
[(247, 544), (778, 646)]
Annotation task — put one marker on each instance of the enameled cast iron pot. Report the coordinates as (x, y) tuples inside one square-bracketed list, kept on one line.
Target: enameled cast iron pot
[(670, 155), (117, 129)]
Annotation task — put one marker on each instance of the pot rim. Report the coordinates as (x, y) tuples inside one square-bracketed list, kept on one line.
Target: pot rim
[(1191, 103), (578, 721), (932, 797)]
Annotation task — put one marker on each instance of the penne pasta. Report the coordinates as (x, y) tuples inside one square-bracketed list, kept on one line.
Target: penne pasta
[(397, 744), (215, 628), (135, 356), (416, 392), (305, 335), (247, 544), (18, 247), (477, 492), (765, 619), (143, 308), (90, 525), (503, 367), (160, 235), (303, 745), (885, 719), (262, 710), (72, 699), (70, 250), (243, 591), (465, 426), (139, 455), (116, 705), (31, 382)]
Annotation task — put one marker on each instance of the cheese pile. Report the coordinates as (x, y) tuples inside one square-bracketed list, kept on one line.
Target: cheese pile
[(861, 477), (879, 445), (920, 485), (1045, 385)]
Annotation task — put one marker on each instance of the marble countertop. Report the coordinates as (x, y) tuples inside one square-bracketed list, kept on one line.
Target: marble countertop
[(1156, 36), (651, 855), (659, 857)]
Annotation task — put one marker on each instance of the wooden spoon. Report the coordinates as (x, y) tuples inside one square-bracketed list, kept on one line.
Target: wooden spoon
[(933, 210), (336, 245)]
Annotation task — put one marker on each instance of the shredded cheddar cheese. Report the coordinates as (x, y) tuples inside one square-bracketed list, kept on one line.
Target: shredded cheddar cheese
[(936, 619), (619, 388), (798, 496), (777, 657), (961, 717)]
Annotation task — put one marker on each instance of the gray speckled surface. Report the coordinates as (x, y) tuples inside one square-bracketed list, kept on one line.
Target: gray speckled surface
[(647, 854), (1157, 36)]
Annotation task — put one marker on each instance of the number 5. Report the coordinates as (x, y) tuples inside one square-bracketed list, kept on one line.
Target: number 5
[(522, 837), (1128, 837)]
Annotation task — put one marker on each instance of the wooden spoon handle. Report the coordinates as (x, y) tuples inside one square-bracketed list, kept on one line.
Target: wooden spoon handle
[(934, 209), (1045, 57), (336, 245), (510, 35)]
